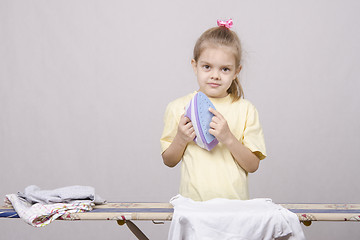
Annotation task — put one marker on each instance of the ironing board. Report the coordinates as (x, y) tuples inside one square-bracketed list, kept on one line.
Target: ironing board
[(123, 213)]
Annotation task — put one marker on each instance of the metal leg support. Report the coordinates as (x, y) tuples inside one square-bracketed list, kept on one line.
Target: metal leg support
[(133, 228)]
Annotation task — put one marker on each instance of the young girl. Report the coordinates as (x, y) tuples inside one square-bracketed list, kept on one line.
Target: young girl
[(221, 172)]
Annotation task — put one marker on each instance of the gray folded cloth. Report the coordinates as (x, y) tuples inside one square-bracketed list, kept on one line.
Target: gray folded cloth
[(33, 194)]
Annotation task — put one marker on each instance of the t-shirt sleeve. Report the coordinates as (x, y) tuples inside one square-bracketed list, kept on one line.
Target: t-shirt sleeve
[(170, 127), (253, 134)]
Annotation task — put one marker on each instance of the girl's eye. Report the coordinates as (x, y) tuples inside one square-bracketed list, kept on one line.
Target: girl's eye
[(226, 69), (206, 67)]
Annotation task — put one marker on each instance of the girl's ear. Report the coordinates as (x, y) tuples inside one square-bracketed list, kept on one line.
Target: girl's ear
[(238, 70), (194, 65)]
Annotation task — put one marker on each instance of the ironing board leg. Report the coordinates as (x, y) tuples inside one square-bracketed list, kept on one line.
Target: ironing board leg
[(134, 229), (307, 223)]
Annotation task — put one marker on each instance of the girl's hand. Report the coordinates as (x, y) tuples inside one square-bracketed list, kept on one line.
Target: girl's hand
[(186, 132), (219, 127)]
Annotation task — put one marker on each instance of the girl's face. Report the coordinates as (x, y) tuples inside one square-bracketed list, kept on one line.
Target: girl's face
[(215, 70)]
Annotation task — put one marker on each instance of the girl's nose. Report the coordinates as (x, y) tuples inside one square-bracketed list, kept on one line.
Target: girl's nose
[(215, 75)]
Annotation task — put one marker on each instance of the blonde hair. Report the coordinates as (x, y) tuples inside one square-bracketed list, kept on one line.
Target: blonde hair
[(224, 37)]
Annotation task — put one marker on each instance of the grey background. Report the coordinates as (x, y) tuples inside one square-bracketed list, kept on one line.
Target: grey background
[(84, 86)]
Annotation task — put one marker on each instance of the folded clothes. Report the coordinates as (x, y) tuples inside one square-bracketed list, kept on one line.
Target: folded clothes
[(232, 219), (40, 207), (33, 194), (39, 215)]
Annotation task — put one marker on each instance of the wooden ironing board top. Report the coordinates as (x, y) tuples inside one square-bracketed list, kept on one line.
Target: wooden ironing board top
[(164, 211)]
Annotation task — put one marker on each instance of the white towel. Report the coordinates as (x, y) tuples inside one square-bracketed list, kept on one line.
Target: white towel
[(232, 219)]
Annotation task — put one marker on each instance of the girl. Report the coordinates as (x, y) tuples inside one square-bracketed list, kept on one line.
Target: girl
[(221, 172)]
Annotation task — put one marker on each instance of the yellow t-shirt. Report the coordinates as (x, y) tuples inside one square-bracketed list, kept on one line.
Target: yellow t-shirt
[(215, 174)]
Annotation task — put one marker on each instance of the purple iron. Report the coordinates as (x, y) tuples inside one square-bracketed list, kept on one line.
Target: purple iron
[(198, 112)]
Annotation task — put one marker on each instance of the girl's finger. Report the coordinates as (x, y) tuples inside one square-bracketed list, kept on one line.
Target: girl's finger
[(212, 131), (184, 119), (213, 111), (215, 120), (191, 130), (212, 125), (216, 113)]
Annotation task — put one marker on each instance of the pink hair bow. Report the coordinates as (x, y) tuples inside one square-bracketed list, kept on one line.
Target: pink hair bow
[(227, 24)]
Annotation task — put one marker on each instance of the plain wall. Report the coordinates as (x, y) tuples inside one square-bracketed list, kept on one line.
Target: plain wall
[(84, 86)]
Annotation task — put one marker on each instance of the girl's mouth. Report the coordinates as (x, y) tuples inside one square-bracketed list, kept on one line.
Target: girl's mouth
[(214, 85)]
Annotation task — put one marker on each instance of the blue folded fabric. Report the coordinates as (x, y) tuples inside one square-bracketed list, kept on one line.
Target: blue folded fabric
[(33, 194), (198, 112)]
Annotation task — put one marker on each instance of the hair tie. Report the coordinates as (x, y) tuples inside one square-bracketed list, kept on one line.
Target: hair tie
[(228, 24)]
